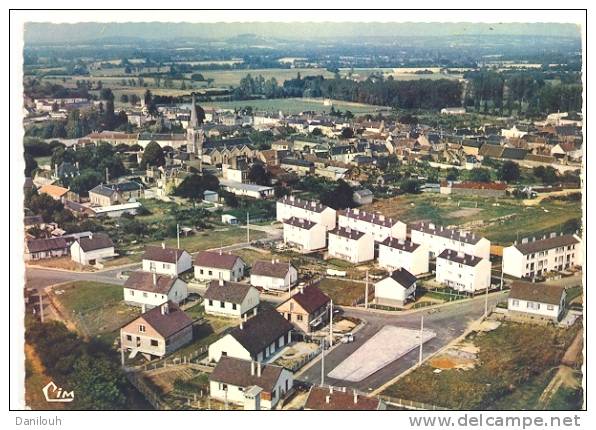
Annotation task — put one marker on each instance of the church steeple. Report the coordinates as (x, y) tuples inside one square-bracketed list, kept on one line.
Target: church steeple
[(194, 118)]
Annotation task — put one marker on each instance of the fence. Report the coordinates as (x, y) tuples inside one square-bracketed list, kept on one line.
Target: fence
[(303, 360), (189, 358), (146, 390), (411, 404)]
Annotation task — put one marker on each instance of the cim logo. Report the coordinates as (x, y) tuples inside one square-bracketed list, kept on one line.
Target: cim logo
[(53, 393)]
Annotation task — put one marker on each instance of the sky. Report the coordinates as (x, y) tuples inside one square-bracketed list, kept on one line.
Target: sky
[(87, 32)]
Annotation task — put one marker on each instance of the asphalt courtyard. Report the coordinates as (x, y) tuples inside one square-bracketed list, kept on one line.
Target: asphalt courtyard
[(448, 322)]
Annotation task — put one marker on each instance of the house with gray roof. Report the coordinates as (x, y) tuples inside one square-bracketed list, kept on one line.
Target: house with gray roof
[(273, 275), (216, 265), (250, 384), (230, 299), (92, 249), (259, 338), (166, 260), (148, 290), (535, 301)]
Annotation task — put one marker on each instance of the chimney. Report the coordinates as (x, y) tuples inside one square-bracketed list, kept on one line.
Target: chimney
[(221, 282), (165, 309), (252, 368), (355, 397), (154, 279), (327, 399), (241, 324), (259, 369)]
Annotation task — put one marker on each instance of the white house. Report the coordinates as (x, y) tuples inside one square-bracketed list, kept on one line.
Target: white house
[(351, 245), (273, 275), (247, 190), (230, 299), (439, 238), (396, 253), (379, 226), (258, 338), (165, 260), (532, 258), (291, 206), (528, 300), (396, 289), (463, 272), (91, 249), (219, 265), (304, 235), (251, 384), (148, 290), (513, 133)]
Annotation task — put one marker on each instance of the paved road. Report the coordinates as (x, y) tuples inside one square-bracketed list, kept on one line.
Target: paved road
[(449, 323), (37, 277)]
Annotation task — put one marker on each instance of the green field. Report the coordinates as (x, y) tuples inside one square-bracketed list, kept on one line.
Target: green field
[(514, 365), (400, 74), (96, 309), (296, 105), (501, 220), (342, 292)]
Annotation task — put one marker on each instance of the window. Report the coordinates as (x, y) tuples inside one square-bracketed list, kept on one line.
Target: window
[(132, 293), (223, 387), (201, 271), (128, 337), (222, 304), (515, 302), (154, 342), (550, 307), (210, 272), (234, 306), (142, 328), (210, 302), (144, 294), (299, 317)]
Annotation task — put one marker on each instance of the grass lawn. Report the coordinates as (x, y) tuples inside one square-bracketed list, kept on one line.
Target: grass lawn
[(515, 363), (207, 239), (343, 292), (566, 398), (500, 220), (35, 379), (251, 255), (96, 309)]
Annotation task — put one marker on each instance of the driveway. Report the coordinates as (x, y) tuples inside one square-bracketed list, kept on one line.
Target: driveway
[(449, 322)]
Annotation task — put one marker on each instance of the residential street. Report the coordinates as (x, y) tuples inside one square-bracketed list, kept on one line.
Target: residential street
[(447, 322)]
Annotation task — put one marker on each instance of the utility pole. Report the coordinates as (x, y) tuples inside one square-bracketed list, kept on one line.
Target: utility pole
[(107, 176), (323, 362), (178, 235), (41, 305), (366, 292), (248, 227), (331, 324), (501, 276), (121, 353), (486, 301), (421, 333)]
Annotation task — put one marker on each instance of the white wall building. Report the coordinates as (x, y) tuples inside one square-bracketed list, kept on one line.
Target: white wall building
[(304, 235), (396, 289), (254, 385), (149, 290), (310, 210), (439, 238), (528, 300), (273, 275), (396, 253), (258, 338), (463, 272), (532, 258), (166, 261), (219, 265), (379, 226), (92, 249), (230, 299), (351, 245)]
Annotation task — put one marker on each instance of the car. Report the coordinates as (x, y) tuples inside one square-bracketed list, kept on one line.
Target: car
[(347, 338)]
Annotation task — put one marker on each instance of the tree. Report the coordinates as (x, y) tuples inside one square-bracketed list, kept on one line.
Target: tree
[(193, 187), (98, 383), (87, 180), (153, 156), (548, 175), (509, 171), (452, 174), (259, 175), (410, 186), (30, 164), (347, 133), (341, 197), (479, 175)]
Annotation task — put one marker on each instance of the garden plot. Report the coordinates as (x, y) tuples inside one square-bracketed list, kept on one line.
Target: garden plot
[(389, 344)]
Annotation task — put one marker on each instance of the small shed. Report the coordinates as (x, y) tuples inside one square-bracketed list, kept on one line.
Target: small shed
[(229, 219)]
